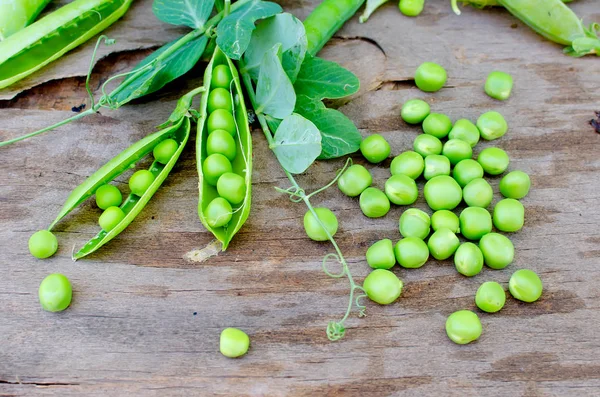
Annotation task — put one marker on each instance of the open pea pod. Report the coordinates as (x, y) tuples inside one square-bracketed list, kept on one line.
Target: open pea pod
[(241, 164)]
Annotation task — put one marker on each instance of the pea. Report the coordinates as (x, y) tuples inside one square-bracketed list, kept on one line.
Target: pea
[(233, 342), (498, 251), (525, 286), (221, 119), (415, 111), (435, 165), (380, 255), (515, 185), (491, 125), (463, 327), (467, 170), (509, 215), (457, 150), (375, 148), (426, 144), (214, 166), (475, 222), (478, 193), (437, 124), (232, 187), (465, 130), (43, 244), (221, 142), (499, 85), (221, 77), (468, 259), (140, 181), (314, 230), (108, 196), (411, 8), (401, 190), (490, 297), (414, 223), (493, 160), (165, 150), (442, 244), (430, 77), (382, 286), (110, 218), (374, 203), (355, 180), (218, 212), (55, 293), (219, 98), (442, 193), (445, 219), (411, 252), (408, 163)]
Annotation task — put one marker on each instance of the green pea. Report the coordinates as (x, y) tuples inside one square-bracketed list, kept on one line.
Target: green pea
[(374, 203), (437, 124), (140, 181), (442, 193), (43, 244), (408, 163), (234, 342), (499, 85), (314, 230), (415, 111), (411, 8), (232, 187), (498, 251), (214, 166), (490, 297), (411, 252), (382, 286), (375, 148), (221, 77), (218, 212), (380, 255), (457, 150), (509, 215), (467, 170), (475, 222), (468, 259), (515, 185), (221, 119), (108, 196), (414, 223), (55, 293), (110, 218), (478, 193), (430, 77), (426, 144), (355, 180), (491, 125), (164, 151), (445, 219), (221, 142), (401, 190), (493, 160), (435, 165), (525, 286), (463, 327), (465, 130), (443, 243), (219, 98)]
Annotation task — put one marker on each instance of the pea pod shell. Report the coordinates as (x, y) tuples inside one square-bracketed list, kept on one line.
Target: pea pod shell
[(16, 14)]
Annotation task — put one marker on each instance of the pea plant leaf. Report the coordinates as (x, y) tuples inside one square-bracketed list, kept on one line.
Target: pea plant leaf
[(282, 28), (235, 30), (320, 79), (275, 94), (297, 143), (191, 13)]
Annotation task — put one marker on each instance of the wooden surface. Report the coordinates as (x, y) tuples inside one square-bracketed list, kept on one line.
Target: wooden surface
[(146, 321)]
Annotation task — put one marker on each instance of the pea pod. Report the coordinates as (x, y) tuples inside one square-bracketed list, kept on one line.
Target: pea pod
[(46, 40), (16, 14)]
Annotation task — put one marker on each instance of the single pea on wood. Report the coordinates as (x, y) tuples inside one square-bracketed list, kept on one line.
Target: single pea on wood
[(313, 227), (55, 293), (382, 286), (234, 342), (380, 254), (411, 252), (430, 77), (43, 244), (463, 327), (408, 163), (498, 85), (375, 148)]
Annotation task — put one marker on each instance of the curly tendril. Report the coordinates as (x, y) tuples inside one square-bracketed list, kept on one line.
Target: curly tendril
[(337, 258)]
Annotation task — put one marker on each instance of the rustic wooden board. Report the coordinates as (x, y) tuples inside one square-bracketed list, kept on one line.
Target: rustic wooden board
[(146, 321)]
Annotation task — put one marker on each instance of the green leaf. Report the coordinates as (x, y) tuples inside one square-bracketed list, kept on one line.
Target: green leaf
[(297, 143), (275, 94), (235, 30), (370, 8), (320, 79), (191, 13), (282, 28)]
